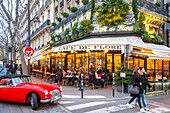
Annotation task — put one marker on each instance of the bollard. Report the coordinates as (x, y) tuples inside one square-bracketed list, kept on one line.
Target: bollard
[(113, 89), (82, 85), (50, 79)]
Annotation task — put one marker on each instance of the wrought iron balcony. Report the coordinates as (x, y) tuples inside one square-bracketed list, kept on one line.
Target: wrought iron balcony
[(56, 9), (24, 31), (40, 10), (34, 5), (62, 3), (23, 42), (72, 16), (152, 7), (38, 30), (47, 2)]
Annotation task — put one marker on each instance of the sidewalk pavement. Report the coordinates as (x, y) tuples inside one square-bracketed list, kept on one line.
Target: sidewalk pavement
[(102, 92)]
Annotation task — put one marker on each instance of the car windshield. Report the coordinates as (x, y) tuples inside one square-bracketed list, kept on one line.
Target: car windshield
[(20, 80)]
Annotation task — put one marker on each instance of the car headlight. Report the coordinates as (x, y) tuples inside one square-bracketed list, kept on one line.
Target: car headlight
[(55, 93), (45, 92)]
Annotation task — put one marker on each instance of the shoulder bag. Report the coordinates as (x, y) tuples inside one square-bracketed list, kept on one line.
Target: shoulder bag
[(133, 89)]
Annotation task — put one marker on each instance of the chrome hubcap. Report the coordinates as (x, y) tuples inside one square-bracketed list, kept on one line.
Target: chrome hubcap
[(31, 101)]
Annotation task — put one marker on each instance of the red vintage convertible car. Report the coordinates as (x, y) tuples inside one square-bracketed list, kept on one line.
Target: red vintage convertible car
[(20, 89)]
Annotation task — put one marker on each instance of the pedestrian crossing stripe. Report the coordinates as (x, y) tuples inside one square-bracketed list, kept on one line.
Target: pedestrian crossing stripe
[(85, 96), (110, 108), (86, 105)]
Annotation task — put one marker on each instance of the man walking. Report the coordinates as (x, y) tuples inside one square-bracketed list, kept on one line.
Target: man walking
[(145, 83)]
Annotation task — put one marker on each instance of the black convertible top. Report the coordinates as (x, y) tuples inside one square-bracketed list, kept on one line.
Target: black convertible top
[(12, 76)]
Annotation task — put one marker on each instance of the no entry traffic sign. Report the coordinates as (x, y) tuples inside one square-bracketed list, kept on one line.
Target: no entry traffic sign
[(29, 51)]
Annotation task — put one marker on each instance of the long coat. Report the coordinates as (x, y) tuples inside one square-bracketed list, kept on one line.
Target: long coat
[(136, 80)]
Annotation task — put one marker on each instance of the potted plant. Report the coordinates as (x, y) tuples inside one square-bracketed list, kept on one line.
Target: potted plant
[(53, 24), (59, 19), (85, 2), (73, 9), (126, 80), (158, 4), (65, 14)]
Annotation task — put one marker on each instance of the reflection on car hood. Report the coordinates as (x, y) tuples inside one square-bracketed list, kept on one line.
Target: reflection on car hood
[(48, 87)]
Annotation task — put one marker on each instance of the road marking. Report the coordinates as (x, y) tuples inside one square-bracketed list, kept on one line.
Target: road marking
[(85, 96), (109, 109), (65, 102), (86, 105)]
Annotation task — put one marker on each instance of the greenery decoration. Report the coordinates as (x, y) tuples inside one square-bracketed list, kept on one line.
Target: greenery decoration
[(92, 9), (85, 2), (59, 19), (138, 26), (75, 32), (53, 24), (135, 8), (112, 12), (66, 34), (128, 79), (73, 9), (85, 28), (157, 39), (158, 4), (65, 14), (146, 37)]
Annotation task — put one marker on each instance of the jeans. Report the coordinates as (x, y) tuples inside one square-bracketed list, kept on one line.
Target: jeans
[(143, 99), (139, 102)]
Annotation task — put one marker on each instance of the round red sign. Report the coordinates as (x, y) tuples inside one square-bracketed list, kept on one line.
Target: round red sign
[(29, 51)]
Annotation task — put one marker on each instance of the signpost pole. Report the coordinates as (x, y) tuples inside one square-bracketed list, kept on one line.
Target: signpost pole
[(113, 89)]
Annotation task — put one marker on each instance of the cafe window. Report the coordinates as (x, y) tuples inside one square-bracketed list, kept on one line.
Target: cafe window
[(70, 62), (159, 64), (109, 62), (138, 62), (166, 71), (97, 60), (82, 59), (117, 61), (130, 62), (60, 58), (150, 64)]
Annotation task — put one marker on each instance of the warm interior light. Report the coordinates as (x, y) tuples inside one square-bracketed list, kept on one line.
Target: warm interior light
[(106, 50), (143, 50), (52, 54), (72, 51), (87, 50)]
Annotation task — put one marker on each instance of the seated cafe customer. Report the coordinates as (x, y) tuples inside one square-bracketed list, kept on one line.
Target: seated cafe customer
[(104, 79)]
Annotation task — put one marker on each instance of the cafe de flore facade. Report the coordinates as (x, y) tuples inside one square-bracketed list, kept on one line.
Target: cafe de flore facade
[(107, 48)]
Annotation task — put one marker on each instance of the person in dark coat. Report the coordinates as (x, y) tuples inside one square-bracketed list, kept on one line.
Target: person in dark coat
[(20, 67), (92, 78), (59, 75), (104, 79), (136, 81), (145, 83)]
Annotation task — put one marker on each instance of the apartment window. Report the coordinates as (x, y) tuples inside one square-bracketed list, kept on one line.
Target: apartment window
[(43, 40), (39, 42), (48, 14), (43, 19)]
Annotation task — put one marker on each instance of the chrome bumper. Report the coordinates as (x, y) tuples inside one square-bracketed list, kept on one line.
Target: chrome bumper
[(51, 100)]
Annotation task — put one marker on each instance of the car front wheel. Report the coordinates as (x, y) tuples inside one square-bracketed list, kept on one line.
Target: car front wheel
[(34, 101)]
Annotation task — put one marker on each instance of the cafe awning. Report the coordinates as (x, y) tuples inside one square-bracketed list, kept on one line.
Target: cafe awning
[(101, 43)]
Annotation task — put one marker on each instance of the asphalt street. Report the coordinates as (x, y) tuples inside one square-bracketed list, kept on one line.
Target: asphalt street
[(94, 101)]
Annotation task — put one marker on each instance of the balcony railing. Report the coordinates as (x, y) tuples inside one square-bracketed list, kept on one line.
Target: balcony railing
[(47, 2), (34, 5), (43, 26), (152, 7), (56, 9), (40, 10), (23, 32), (62, 3), (72, 16)]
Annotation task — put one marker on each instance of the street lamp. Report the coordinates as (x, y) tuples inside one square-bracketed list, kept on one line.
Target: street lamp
[(28, 38)]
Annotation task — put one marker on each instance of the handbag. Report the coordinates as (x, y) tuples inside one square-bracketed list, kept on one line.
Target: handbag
[(133, 89)]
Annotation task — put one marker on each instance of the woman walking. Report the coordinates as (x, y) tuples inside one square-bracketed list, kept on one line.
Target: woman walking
[(136, 81)]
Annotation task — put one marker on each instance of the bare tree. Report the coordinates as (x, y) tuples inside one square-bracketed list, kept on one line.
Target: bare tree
[(11, 11)]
